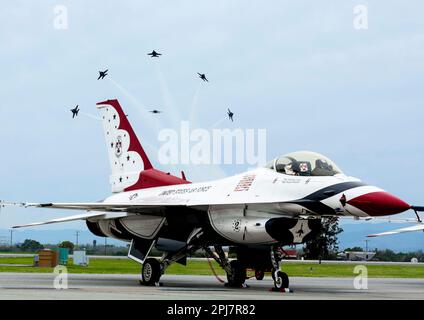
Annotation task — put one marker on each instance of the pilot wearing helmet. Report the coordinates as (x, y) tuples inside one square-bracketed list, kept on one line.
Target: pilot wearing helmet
[(322, 168), (289, 169)]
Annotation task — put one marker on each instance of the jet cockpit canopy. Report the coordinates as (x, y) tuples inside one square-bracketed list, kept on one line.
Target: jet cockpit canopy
[(304, 163)]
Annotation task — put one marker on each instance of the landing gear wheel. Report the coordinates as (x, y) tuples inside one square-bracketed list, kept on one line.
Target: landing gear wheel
[(259, 274), (281, 280), (150, 272), (238, 275)]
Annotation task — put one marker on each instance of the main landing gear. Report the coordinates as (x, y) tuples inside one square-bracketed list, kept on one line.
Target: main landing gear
[(153, 269), (236, 273), (237, 276), (151, 272), (281, 280)]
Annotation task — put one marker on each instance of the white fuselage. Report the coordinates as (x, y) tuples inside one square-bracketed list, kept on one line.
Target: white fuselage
[(264, 189), (239, 206)]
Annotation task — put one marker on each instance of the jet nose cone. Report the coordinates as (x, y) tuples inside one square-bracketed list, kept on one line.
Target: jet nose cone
[(379, 203)]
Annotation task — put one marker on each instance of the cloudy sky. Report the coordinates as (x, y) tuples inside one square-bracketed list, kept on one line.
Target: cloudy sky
[(298, 69)]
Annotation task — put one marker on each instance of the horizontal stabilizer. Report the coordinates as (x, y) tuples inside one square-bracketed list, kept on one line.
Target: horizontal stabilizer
[(418, 227), (85, 216)]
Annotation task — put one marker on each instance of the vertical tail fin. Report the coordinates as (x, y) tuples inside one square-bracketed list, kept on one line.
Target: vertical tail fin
[(126, 155), (131, 168)]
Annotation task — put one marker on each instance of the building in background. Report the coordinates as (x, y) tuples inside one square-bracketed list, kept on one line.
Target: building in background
[(357, 255)]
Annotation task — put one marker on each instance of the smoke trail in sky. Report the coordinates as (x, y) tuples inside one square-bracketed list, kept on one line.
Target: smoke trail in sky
[(129, 95), (194, 113), (217, 123), (151, 144), (90, 115), (140, 106), (172, 109)]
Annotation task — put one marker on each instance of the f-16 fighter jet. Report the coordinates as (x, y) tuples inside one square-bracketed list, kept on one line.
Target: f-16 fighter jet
[(203, 76), (230, 115), (154, 54), (254, 212), (75, 111), (102, 74)]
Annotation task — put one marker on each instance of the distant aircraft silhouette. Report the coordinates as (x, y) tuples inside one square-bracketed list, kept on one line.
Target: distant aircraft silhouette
[(102, 74), (75, 111), (154, 54), (203, 76), (230, 115), (155, 111)]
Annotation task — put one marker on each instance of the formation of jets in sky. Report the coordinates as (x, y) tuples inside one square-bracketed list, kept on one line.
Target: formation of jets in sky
[(153, 54)]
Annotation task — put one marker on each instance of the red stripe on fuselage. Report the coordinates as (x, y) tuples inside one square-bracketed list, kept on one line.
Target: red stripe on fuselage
[(155, 178)]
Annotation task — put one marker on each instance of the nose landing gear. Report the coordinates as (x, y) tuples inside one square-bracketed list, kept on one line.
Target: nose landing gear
[(281, 279)]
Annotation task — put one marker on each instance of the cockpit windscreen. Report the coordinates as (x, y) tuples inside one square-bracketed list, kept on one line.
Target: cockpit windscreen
[(304, 163)]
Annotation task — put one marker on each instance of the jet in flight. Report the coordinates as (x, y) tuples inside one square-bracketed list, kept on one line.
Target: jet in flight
[(155, 111), (203, 76), (254, 213), (102, 74), (154, 54), (75, 112), (230, 115)]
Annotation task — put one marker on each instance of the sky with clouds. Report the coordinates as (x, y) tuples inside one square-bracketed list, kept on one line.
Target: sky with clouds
[(298, 69)]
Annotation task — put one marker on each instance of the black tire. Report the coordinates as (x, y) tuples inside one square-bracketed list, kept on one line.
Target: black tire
[(150, 272), (281, 281), (238, 275), (259, 274)]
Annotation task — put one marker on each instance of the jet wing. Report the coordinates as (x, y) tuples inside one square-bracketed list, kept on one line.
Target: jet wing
[(100, 210), (381, 219), (418, 227), (85, 216), (110, 207)]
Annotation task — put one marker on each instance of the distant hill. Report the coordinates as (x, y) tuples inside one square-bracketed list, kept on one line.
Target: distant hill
[(54, 236), (355, 233)]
